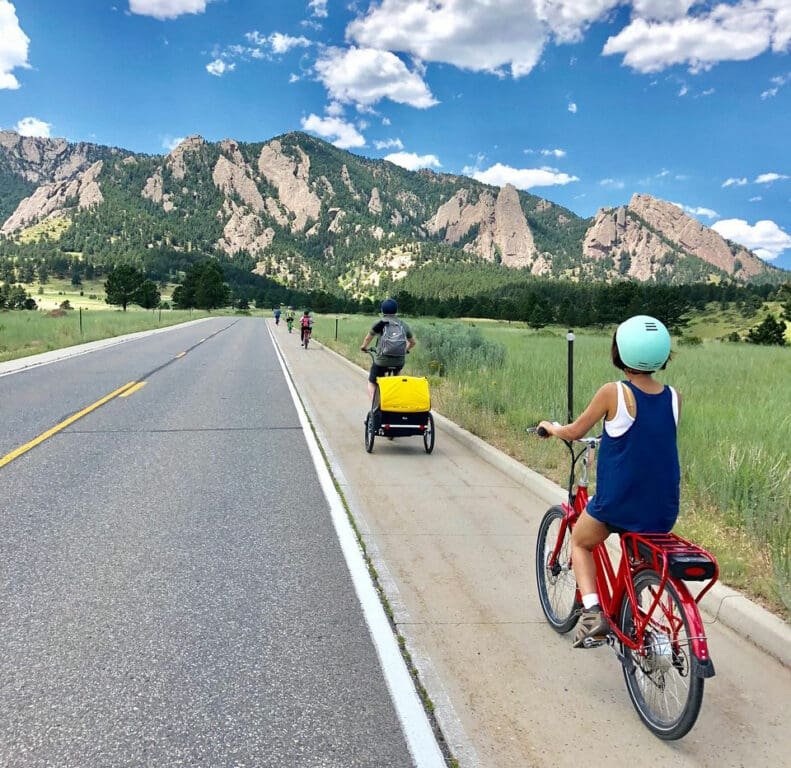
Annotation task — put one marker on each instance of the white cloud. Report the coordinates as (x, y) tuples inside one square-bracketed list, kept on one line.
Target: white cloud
[(546, 152), (697, 211), (479, 35), (386, 121), (283, 43), (756, 199), (218, 67), (339, 132), (661, 10), (768, 178), (32, 126), (389, 144), (412, 161), (764, 238), (294, 78), (169, 143), (724, 33), (572, 108), (13, 46), (499, 175), (614, 183), (318, 8), (734, 182), (167, 9), (364, 76), (334, 109), (683, 91)]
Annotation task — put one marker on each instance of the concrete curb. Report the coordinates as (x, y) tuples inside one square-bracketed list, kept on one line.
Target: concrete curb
[(723, 604), (55, 355)]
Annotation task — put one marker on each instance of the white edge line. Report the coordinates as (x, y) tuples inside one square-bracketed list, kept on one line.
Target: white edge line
[(418, 732)]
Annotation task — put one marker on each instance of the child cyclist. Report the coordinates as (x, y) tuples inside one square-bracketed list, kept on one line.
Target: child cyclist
[(305, 326), (637, 475)]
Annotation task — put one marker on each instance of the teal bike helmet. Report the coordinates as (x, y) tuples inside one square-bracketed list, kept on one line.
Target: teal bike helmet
[(643, 343)]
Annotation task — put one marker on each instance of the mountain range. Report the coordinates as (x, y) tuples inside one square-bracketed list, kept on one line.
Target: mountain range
[(310, 215)]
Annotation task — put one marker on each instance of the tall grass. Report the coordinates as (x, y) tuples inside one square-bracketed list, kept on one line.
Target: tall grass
[(28, 333), (733, 438)]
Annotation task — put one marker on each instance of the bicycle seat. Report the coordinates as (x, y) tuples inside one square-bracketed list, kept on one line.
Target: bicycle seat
[(685, 561)]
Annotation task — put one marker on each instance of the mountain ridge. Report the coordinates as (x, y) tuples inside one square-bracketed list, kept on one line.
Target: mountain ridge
[(308, 213)]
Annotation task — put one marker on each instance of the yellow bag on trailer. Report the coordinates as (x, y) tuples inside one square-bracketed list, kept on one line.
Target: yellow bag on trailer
[(404, 394)]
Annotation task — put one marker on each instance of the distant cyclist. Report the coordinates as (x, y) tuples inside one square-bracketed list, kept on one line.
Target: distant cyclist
[(290, 318), (305, 328), (277, 315), (637, 474), (395, 339)]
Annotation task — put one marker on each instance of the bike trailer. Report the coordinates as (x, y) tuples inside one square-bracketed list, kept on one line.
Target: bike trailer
[(404, 394), (402, 405)]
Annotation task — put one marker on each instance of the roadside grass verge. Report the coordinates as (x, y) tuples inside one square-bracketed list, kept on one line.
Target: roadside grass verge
[(24, 333), (735, 459)]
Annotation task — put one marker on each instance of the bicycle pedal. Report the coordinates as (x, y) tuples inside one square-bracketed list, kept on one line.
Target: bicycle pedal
[(594, 642)]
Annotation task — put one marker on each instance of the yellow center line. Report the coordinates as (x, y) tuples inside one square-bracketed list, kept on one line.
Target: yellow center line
[(15, 454), (181, 354), (136, 388)]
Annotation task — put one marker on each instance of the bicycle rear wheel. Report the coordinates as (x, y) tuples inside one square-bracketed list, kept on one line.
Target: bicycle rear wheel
[(370, 435), (662, 685), (557, 588), (428, 435)]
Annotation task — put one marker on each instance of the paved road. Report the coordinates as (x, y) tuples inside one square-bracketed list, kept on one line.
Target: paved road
[(172, 591), (456, 537)]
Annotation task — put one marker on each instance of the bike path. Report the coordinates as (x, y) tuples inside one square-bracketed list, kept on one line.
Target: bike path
[(453, 538), (172, 589)]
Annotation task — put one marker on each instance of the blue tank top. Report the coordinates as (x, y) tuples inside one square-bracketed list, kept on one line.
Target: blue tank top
[(638, 474)]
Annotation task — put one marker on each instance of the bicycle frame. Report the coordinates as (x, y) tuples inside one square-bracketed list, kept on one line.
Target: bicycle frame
[(639, 552)]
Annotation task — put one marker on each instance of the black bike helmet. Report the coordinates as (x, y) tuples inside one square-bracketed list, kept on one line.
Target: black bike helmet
[(389, 307)]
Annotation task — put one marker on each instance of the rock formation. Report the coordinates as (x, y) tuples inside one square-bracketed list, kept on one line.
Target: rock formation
[(502, 227), (375, 203), (651, 231), (244, 230), (53, 199), (232, 179), (290, 178)]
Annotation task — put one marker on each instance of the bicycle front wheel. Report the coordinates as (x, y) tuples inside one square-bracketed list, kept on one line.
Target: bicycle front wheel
[(659, 676), (428, 435), (557, 588)]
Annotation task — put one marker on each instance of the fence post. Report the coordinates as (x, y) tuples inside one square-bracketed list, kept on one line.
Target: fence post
[(570, 385), (336, 329), (80, 321)]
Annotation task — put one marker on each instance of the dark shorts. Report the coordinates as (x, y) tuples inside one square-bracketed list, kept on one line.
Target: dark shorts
[(381, 370)]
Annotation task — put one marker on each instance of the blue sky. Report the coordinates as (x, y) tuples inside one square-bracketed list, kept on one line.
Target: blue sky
[(584, 102)]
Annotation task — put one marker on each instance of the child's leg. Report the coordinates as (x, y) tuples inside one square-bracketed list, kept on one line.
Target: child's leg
[(587, 533)]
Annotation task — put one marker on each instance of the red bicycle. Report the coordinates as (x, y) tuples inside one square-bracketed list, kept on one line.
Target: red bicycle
[(655, 625)]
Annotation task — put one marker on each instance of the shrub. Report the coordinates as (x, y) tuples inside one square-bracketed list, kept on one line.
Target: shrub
[(691, 341), (445, 347)]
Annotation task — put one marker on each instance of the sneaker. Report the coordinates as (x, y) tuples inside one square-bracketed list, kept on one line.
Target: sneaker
[(592, 625)]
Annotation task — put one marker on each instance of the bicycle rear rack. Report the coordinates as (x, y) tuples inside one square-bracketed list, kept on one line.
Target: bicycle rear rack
[(672, 557)]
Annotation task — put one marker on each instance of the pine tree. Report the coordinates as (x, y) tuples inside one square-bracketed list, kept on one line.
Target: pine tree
[(769, 332)]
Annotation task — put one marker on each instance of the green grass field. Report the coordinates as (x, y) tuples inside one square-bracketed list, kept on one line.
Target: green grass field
[(28, 333), (733, 437)]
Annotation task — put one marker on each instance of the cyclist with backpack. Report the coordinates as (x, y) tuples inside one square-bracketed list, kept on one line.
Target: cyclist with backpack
[(395, 339), (637, 473), (277, 315), (305, 328)]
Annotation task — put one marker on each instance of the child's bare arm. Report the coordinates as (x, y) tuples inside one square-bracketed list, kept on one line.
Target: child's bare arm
[(604, 402)]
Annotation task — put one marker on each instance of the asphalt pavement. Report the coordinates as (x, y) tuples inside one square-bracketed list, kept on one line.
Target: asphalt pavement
[(172, 591)]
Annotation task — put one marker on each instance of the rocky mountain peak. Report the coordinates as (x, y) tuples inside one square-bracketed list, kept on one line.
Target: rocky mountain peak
[(646, 237)]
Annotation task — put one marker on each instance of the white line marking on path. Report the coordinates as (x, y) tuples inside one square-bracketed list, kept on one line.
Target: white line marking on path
[(414, 721)]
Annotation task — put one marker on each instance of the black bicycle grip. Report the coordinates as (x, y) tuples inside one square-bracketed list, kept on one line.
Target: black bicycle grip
[(541, 432)]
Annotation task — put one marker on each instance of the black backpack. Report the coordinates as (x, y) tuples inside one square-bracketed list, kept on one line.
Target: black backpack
[(393, 341)]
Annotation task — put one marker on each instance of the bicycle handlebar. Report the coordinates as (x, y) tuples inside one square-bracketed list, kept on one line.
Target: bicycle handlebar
[(591, 442)]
